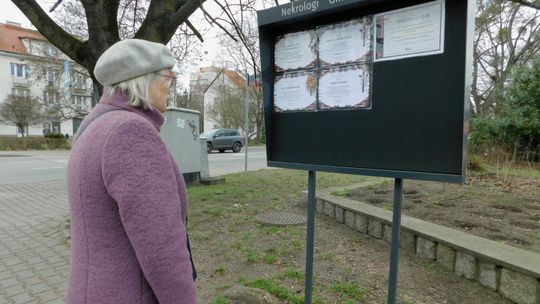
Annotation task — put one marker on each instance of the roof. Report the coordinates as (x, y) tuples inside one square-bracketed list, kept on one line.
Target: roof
[(11, 38), (236, 78)]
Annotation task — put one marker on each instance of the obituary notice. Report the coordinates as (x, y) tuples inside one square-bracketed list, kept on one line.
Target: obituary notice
[(295, 92), (346, 42), (410, 32), (344, 88), (295, 51)]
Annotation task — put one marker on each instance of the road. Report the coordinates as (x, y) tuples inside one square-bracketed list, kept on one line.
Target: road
[(34, 166)]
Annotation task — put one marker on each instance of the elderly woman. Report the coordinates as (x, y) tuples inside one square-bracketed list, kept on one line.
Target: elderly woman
[(127, 196)]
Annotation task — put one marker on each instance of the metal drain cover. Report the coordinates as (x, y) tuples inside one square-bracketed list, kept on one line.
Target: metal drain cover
[(280, 218)]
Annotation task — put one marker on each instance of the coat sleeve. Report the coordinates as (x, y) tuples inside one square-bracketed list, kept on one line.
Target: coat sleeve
[(139, 175)]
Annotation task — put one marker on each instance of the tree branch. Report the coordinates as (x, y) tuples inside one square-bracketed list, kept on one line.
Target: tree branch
[(531, 4), (194, 30), (69, 45)]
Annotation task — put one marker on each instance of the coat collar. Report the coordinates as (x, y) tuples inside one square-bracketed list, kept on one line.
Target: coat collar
[(119, 100)]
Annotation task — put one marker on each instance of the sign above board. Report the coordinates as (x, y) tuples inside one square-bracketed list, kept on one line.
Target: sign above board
[(301, 8)]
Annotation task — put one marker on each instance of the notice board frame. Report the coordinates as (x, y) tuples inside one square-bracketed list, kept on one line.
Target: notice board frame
[(417, 125)]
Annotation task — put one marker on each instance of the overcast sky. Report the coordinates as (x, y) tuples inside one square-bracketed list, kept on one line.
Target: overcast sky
[(10, 12)]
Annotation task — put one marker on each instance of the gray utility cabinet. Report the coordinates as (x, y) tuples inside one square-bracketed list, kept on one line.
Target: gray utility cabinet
[(180, 132)]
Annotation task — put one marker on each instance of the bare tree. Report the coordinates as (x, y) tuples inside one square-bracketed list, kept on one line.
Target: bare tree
[(60, 100), (161, 21), (506, 37), (20, 111), (228, 108), (244, 52), (532, 4)]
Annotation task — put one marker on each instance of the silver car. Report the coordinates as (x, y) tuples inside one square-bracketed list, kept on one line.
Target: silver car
[(223, 139)]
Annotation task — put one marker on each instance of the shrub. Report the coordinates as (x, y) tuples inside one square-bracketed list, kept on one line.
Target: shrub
[(54, 135), (32, 143)]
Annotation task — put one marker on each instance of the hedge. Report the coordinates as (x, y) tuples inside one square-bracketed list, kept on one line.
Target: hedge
[(8, 143)]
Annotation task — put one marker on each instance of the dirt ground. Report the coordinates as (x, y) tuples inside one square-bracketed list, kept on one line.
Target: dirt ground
[(230, 248), (501, 208)]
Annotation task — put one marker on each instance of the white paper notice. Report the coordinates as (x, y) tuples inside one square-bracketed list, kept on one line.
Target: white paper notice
[(410, 32), (295, 92), (345, 88), (347, 42), (295, 51)]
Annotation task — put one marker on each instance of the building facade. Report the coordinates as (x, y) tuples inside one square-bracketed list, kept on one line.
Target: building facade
[(206, 84), (31, 66)]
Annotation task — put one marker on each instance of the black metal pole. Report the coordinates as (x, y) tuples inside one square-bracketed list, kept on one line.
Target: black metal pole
[(310, 238), (394, 253)]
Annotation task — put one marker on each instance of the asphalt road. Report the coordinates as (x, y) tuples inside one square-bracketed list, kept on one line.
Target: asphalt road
[(33, 166)]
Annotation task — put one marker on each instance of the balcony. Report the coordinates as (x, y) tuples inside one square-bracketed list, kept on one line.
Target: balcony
[(20, 81)]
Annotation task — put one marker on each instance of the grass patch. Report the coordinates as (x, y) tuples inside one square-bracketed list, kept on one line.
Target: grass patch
[(220, 300), (221, 270), (273, 287), (349, 292)]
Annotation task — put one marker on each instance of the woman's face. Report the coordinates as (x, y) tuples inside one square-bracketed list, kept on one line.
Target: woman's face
[(159, 88)]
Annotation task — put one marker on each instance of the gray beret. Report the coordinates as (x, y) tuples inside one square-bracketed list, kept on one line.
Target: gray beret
[(131, 58)]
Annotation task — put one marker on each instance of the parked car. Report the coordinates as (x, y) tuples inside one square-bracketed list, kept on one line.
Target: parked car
[(223, 139)]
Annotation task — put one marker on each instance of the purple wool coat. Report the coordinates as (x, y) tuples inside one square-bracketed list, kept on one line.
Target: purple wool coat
[(128, 212)]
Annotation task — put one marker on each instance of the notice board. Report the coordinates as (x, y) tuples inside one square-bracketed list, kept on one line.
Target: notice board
[(368, 87)]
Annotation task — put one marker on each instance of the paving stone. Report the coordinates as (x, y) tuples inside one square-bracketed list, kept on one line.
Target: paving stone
[(466, 265), (31, 280), (60, 286), (425, 248), (14, 290), (8, 282), (446, 257), (47, 273), (40, 266), (38, 288), (22, 298), (518, 287), (59, 301), (375, 228), (24, 274), (487, 275), (340, 216), (361, 223), (48, 296), (329, 209), (350, 219)]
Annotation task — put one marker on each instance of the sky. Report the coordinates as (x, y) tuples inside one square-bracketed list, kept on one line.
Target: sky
[(10, 12)]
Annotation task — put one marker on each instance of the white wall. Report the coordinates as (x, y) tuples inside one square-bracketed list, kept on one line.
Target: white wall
[(37, 86)]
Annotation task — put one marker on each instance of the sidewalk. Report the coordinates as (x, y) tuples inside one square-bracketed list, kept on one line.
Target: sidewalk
[(34, 261)]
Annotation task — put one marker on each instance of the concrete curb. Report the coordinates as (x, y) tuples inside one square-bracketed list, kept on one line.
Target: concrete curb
[(513, 272)]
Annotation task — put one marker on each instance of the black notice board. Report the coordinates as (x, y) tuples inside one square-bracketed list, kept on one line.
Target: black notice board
[(417, 125)]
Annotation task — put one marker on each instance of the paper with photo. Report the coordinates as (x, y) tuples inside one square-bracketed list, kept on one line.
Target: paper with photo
[(295, 51), (346, 42), (410, 32), (295, 92), (345, 87)]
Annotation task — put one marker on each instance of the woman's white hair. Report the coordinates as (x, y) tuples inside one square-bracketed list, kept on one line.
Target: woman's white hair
[(136, 89)]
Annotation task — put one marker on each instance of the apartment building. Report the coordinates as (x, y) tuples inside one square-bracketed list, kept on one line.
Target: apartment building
[(31, 66), (207, 82)]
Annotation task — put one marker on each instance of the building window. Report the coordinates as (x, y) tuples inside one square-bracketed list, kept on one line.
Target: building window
[(49, 74), (51, 97), (79, 101), (19, 70), (20, 92), (50, 50)]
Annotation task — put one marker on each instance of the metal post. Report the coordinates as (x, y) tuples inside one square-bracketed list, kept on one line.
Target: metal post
[(394, 253), (310, 237), (247, 122)]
